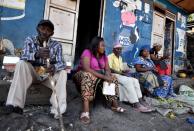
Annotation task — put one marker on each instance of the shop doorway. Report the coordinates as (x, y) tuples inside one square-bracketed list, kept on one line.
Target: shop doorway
[(163, 32), (169, 40), (89, 24)]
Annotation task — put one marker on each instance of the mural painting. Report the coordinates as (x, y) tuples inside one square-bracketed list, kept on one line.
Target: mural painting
[(17, 20), (129, 33), (181, 41), (12, 9), (180, 60), (132, 20), (180, 50)]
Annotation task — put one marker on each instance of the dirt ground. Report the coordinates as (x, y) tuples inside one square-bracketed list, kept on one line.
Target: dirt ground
[(36, 118)]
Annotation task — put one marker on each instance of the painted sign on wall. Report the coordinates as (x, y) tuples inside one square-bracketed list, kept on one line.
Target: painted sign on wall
[(129, 33), (19, 19), (13, 6), (130, 22), (181, 40), (131, 25)]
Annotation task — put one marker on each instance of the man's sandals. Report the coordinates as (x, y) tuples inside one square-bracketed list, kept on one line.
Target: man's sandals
[(118, 109)]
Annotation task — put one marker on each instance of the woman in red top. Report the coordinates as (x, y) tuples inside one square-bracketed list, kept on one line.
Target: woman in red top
[(160, 62)]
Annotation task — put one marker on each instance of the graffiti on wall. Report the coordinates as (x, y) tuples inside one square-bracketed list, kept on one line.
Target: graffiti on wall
[(15, 28), (128, 16), (131, 26), (182, 19), (131, 12), (128, 29), (12, 9), (180, 52), (181, 40)]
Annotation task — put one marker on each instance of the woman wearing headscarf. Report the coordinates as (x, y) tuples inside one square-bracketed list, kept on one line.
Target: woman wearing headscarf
[(153, 83)]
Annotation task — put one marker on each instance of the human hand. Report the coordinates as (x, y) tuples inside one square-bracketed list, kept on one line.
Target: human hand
[(155, 70), (108, 73), (109, 79), (51, 70), (149, 69), (43, 52), (166, 57)]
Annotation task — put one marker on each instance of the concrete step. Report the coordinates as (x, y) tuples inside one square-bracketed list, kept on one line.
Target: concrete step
[(40, 95), (36, 94)]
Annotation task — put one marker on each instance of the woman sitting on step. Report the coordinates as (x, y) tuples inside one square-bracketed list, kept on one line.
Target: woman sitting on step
[(153, 83), (92, 71)]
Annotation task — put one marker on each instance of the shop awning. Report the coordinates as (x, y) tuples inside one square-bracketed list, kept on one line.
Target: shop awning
[(186, 5)]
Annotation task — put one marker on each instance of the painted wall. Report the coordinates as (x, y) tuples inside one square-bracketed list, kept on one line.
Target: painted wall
[(17, 30), (128, 27), (131, 25)]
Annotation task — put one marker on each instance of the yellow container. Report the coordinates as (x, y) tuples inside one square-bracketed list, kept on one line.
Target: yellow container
[(182, 75)]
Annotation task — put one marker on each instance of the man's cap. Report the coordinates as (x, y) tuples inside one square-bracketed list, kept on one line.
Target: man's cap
[(46, 23), (117, 45), (157, 44)]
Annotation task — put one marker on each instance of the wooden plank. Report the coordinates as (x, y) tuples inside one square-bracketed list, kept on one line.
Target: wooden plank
[(174, 1), (64, 23), (67, 48), (179, 1), (158, 30), (158, 24), (187, 5), (71, 4)]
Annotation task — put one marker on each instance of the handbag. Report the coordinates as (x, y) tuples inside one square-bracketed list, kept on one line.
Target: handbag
[(108, 89)]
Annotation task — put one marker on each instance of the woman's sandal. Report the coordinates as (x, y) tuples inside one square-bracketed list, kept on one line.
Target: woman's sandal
[(85, 118), (118, 109)]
